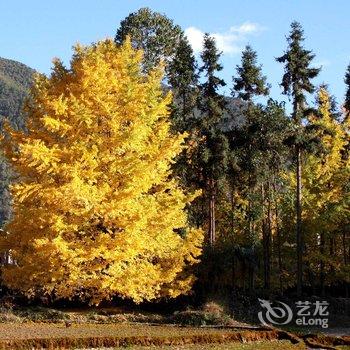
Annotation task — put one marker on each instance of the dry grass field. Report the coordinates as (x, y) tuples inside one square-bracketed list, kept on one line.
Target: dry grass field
[(35, 335)]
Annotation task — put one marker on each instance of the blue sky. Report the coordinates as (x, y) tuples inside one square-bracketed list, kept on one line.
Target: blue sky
[(33, 32)]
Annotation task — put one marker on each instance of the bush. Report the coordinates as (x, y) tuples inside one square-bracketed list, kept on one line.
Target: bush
[(7, 315), (210, 314), (38, 313)]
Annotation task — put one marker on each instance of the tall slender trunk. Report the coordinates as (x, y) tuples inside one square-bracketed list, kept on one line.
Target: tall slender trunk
[(250, 221), (322, 275), (346, 259), (232, 229), (299, 232), (233, 271), (266, 240), (269, 237), (279, 253), (344, 248), (212, 212), (251, 278), (278, 235), (232, 210), (332, 251), (298, 107)]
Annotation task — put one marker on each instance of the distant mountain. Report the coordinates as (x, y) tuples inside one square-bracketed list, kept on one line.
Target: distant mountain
[(15, 81)]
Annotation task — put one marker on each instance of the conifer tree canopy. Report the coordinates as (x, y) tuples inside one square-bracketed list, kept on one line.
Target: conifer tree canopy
[(152, 32), (347, 94), (96, 214), (297, 70), (249, 81)]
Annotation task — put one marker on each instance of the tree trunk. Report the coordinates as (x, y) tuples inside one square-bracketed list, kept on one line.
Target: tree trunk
[(344, 248), (332, 251), (211, 212), (269, 237), (299, 232), (251, 278), (322, 275), (232, 211), (233, 272), (266, 240), (279, 238), (346, 261)]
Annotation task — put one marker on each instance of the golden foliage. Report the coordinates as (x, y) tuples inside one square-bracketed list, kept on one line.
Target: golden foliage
[(95, 214)]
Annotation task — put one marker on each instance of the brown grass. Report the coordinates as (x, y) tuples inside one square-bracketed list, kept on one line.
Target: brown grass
[(58, 336), (263, 345), (28, 336)]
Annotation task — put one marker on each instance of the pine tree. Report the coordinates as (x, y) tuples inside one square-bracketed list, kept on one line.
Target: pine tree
[(347, 94), (247, 84), (95, 213), (213, 147), (296, 82), (183, 80), (249, 81)]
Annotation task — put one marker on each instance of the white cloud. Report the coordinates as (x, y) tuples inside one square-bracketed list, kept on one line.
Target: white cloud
[(229, 42), (195, 37)]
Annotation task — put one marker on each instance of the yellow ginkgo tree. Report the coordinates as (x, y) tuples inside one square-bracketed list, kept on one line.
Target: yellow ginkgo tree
[(326, 195), (96, 211)]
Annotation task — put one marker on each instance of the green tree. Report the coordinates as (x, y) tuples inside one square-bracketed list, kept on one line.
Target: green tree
[(247, 84), (212, 150), (249, 81), (347, 94), (296, 82), (154, 33), (183, 79)]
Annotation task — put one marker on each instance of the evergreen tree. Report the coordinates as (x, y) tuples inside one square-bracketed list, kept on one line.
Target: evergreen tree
[(347, 93), (296, 82), (248, 84), (212, 150), (183, 80), (249, 81), (212, 102)]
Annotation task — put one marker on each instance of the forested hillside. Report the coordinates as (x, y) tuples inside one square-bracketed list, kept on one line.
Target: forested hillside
[(15, 80)]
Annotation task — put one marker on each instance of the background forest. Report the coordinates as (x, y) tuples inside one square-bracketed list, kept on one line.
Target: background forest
[(275, 190)]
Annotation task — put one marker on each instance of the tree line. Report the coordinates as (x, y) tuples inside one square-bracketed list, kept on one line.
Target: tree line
[(275, 201), (269, 190)]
